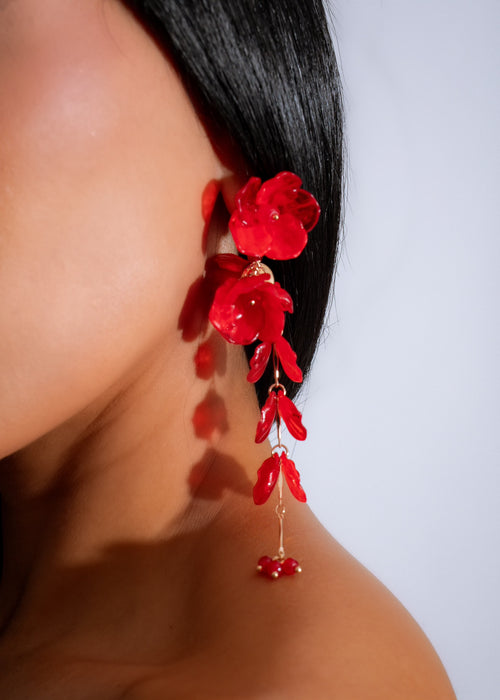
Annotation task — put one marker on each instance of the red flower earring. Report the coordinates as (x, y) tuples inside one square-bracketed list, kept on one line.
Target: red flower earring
[(271, 219)]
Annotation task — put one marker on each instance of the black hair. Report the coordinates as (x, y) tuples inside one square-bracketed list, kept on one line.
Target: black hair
[(264, 73)]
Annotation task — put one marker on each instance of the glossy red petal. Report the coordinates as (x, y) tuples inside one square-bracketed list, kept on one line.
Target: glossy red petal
[(266, 479), (284, 193), (284, 298), (288, 359), (278, 189), (237, 311), (246, 197), (208, 199), (306, 209), (259, 361), (229, 262), (249, 233), (267, 416), (245, 223), (292, 416), (287, 236), (292, 477), (274, 317)]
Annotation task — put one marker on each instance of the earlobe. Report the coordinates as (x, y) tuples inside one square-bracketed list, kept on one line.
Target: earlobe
[(216, 236), (218, 205)]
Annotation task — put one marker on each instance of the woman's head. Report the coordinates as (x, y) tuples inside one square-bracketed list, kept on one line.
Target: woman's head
[(104, 158)]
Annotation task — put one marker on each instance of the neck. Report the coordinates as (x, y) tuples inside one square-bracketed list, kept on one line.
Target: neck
[(121, 497)]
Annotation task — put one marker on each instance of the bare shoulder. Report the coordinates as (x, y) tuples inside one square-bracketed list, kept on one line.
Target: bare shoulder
[(333, 632), (347, 636)]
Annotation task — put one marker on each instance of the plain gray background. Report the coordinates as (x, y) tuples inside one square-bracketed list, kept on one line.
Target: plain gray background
[(403, 454)]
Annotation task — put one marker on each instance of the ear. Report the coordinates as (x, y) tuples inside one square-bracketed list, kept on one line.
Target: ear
[(218, 205)]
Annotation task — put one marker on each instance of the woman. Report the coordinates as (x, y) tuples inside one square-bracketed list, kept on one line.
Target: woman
[(128, 526)]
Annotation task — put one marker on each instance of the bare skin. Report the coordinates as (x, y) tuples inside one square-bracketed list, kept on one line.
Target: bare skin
[(130, 533)]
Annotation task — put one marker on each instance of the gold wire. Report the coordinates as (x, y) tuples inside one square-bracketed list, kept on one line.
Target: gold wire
[(280, 508), (280, 512)]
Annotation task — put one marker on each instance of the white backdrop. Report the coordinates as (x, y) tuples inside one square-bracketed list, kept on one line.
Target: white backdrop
[(402, 461)]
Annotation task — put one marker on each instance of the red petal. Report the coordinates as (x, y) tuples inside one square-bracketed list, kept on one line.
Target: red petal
[(237, 311), (287, 236), (208, 199), (245, 224), (273, 320), (249, 234), (266, 479), (259, 361), (292, 416), (268, 414), (246, 197), (307, 209), (278, 189), (228, 261), (292, 477), (288, 360), (275, 301), (285, 299)]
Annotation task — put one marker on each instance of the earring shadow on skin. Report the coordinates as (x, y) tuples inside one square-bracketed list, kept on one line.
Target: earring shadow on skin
[(214, 472)]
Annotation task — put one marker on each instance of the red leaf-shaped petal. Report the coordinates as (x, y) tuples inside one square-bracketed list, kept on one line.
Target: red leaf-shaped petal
[(275, 300), (268, 414), (273, 320), (292, 477), (229, 262), (288, 359), (259, 361), (292, 416), (284, 298), (266, 479)]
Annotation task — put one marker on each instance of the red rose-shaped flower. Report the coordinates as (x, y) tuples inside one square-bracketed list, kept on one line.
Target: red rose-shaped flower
[(249, 308), (273, 220)]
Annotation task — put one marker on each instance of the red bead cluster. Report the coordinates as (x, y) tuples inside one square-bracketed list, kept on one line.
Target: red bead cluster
[(274, 568), (271, 219)]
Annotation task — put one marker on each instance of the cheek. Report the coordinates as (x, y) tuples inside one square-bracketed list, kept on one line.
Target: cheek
[(100, 221)]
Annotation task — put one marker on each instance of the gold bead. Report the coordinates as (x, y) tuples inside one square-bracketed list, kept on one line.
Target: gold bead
[(257, 268), (275, 574)]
